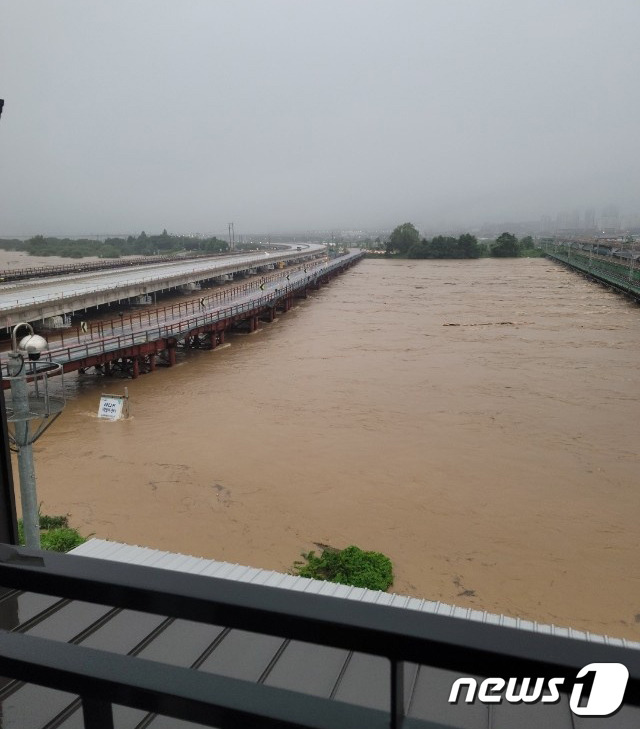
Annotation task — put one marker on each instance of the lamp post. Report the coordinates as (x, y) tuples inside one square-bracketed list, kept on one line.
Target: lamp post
[(8, 516), (25, 372), (8, 520)]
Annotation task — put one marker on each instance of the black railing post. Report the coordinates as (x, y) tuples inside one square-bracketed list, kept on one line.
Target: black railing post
[(97, 714), (397, 694), (8, 518)]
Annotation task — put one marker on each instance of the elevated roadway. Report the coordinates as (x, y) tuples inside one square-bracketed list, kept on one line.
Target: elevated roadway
[(36, 300)]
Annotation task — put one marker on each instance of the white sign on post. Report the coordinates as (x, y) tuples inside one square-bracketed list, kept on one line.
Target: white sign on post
[(111, 407)]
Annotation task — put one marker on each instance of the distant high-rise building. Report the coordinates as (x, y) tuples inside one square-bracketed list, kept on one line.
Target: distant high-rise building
[(574, 219), (610, 220), (589, 219), (546, 224), (562, 221)]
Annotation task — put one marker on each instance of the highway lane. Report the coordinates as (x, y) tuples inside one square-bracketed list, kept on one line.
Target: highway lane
[(132, 333), (72, 285)]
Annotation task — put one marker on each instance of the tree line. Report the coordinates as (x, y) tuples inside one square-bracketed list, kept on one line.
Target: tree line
[(141, 245), (405, 242)]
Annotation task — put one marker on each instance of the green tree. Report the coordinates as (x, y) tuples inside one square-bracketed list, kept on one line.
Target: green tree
[(402, 238), (109, 251), (419, 250), (506, 246), (444, 246), (468, 246)]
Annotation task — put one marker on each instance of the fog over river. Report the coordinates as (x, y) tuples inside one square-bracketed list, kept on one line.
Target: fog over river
[(477, 421)]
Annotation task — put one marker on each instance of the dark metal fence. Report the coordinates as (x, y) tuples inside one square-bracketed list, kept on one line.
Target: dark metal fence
[(602, 269), (102, 679)]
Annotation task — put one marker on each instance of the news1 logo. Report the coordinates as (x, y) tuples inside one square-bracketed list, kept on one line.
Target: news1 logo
[(598, 690)]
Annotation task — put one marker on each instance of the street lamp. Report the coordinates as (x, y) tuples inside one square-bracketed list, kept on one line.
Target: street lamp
[(31, 401), (8, 524)]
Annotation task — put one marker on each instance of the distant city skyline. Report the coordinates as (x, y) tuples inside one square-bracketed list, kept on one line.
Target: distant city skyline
[(601, 219)]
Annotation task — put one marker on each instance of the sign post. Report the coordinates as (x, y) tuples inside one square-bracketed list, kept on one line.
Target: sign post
[(114, 407)]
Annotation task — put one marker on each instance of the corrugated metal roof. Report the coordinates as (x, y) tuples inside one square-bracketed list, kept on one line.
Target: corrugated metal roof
[(131, 554)]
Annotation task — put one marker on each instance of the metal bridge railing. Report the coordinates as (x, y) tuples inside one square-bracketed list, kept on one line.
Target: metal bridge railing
[(102, 678), (115, 343), (194, 306), (199, 272), (603, 269)]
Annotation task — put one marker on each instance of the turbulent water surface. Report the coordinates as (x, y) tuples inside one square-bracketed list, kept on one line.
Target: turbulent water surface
[(476, 421)]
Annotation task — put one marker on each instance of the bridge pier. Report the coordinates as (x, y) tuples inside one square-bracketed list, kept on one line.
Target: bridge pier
[(135, 369), (270, 314), (171, 351), (216, 338)]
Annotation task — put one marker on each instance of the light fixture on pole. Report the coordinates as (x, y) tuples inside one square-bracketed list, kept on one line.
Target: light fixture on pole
[(31, 401)]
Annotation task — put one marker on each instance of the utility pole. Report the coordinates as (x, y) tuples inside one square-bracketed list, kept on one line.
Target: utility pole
[(28, 496), (8, 518), (24, 370)]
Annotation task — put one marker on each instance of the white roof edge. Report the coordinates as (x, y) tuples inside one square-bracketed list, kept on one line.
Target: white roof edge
[(133, 554)]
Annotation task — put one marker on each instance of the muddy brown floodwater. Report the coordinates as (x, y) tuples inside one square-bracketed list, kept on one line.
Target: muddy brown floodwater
[(476, 421)]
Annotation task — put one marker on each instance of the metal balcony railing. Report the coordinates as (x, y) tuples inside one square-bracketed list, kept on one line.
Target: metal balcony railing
[(103, 679)]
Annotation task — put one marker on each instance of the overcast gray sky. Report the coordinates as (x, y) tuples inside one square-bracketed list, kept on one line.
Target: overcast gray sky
[(124, 115)]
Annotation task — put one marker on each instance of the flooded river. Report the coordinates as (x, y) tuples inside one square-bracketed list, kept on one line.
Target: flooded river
[(477, 421)]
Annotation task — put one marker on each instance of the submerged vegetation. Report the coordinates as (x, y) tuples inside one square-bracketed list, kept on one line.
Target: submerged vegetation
[(350, 566)]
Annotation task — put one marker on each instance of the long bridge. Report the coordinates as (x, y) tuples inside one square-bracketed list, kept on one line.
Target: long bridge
[(622, 277), (39, 300), (137, 342)]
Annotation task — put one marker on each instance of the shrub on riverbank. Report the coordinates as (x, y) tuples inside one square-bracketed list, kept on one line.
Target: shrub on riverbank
[(55, 534), (350, 566)]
